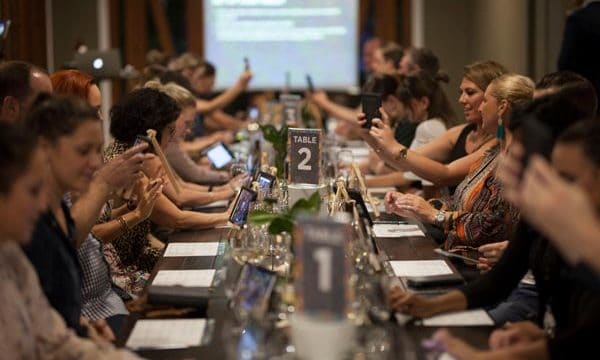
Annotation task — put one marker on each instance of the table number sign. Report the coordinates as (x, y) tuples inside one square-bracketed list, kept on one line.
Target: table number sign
[(305, 155), (290, 109), (321, 266)]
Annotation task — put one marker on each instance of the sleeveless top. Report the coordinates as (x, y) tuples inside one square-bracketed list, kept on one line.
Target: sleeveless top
[(459, 150)]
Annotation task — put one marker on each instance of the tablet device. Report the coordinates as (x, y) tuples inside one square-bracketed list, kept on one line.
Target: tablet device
[(219, 155), (253, 291), (370, 107), (239, 215), (265, 181)]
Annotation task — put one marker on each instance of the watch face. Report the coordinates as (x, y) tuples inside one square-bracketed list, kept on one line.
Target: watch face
[(440, 217)]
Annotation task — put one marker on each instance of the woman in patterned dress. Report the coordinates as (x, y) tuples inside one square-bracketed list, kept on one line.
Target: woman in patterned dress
[(477, 213)]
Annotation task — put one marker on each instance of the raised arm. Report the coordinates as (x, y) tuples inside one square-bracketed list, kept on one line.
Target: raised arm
[(380, 137), (226, 97), (337, 111)]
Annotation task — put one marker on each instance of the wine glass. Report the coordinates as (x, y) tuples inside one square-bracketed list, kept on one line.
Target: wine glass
[(345, 158)]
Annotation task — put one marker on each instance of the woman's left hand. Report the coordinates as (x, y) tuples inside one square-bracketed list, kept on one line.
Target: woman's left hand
[(414, 206)]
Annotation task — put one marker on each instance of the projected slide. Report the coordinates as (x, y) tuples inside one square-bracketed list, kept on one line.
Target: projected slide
[(284, 40)]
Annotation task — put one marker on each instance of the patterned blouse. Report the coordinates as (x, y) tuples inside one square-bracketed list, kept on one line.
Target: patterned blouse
[(482, 215), (29, 327), (130, 256)]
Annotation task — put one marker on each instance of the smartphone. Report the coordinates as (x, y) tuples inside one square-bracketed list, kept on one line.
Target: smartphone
[(140, 139), (309, 82), (265, 181), (239, 214), (536, 139), (466, 259), (246, 64), (370, 107), (253, 113), (219, 155)]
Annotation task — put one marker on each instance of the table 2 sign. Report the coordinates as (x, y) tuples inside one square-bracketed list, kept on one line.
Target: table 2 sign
[(321, 267), (305, 155)]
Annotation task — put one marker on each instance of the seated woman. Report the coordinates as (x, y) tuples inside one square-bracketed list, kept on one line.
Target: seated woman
[(428, 162), (477, 213), (468, 138), (190, 172), (100, 301), (133, 254), (388, 87), (571, 306), (71, 135), (31, 328), (430, 110)]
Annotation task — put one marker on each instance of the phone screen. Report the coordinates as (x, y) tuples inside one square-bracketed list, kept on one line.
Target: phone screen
[(253, 113), (370, 107), (265, 181), (254, 287), (219, 156), (239, 215), (143, 139)]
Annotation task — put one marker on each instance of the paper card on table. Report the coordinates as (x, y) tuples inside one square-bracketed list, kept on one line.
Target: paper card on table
[(187, 278), (477, 317), (166, 334), (420, 267), (396, 230), (192, 249), (446, 356)]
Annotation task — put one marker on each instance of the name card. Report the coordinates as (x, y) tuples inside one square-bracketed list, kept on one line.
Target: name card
[(321, 268), (290, 109), (305, 155)]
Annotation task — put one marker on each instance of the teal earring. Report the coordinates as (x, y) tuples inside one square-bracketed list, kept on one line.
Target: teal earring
[(500, 129)]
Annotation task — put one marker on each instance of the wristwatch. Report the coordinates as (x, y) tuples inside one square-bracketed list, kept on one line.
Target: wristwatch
[(440, 218), (401, 155)]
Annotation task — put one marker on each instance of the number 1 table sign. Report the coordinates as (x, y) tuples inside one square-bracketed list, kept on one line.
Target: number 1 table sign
[(305, 155), (322, 269)]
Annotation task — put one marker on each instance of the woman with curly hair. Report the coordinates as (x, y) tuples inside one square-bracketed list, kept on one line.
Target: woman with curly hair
[(133, 254)]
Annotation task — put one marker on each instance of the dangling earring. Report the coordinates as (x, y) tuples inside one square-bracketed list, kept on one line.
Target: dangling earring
[(500, 129)]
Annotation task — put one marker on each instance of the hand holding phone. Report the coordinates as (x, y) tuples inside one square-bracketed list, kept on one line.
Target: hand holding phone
[(370, 107), (140, 139)]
